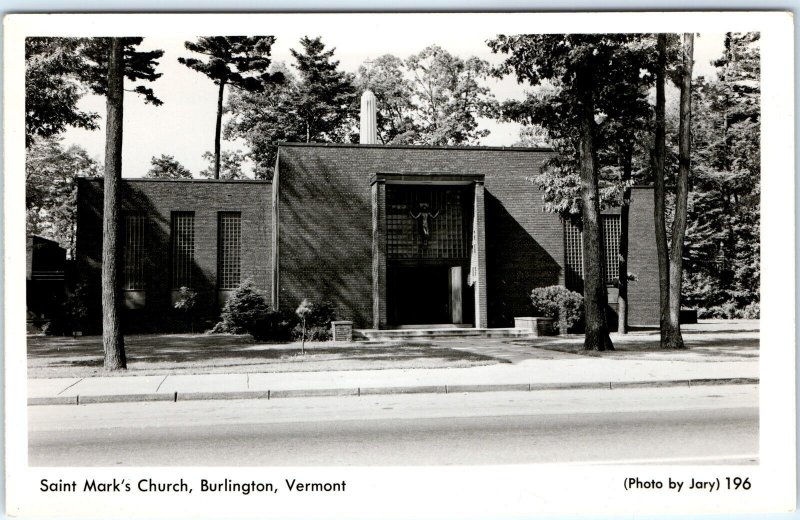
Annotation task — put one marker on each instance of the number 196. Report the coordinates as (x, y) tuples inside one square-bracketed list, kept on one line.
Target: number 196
[(738, 483)]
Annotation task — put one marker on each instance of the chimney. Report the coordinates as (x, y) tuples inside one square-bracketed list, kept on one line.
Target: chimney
[(368, 124)]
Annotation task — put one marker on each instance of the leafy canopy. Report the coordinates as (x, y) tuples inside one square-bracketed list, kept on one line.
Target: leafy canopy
[(166, 167)]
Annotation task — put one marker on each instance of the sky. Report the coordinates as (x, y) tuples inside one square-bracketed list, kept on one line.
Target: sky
[(184, 125)]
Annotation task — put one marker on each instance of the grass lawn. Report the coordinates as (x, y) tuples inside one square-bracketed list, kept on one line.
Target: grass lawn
[(712, 340), (203, 354)]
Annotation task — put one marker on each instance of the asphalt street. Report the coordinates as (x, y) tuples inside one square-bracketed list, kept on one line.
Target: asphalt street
[(697, 425)]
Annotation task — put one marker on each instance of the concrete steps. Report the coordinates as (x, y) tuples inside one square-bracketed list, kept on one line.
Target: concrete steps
[(435, 333)]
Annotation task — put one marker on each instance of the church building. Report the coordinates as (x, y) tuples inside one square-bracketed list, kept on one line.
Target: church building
[(392, 236)]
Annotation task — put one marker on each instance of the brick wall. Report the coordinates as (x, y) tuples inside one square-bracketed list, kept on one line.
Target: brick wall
[(642, 260), (157, 199), (325, 228)]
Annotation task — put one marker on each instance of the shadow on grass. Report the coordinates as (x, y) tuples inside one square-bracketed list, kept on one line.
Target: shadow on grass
[(213, 350)]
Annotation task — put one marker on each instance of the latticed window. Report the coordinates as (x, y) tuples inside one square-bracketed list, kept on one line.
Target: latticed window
[(574, 257), (182, 248), (610, 232), (133, 231), (229, 265), (442, 208)]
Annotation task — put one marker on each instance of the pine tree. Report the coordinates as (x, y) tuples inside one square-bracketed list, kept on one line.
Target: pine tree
[(239, 61), (325, 97)]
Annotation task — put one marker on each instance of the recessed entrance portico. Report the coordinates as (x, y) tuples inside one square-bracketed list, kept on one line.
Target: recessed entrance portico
[(428, 250)]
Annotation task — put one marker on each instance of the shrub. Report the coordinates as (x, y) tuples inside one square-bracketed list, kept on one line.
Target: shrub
[(273, 326), (244, 307), (752, 311), (559, 303), (185, 303)]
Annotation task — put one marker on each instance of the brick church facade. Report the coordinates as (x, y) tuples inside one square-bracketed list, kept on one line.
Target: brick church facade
[(391, 235)]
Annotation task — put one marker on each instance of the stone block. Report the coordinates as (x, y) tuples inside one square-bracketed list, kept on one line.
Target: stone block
[(537, 325), (342, 331)]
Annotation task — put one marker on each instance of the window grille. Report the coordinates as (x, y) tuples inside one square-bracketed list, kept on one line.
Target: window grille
[(447, 231), (610, 232), (182, 248), (574, 254), (133, 230), (229, 266)]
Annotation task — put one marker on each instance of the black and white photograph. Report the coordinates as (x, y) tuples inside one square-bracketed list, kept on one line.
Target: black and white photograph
[(304, 261)]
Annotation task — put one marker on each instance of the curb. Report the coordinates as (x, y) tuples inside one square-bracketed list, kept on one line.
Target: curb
[(390, 390)]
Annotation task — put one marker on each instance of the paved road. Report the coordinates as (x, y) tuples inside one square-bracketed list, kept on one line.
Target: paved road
[(706, 425)]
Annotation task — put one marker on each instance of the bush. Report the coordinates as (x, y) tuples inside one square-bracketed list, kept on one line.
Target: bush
[(559, 303), (273, 326), (318, 322), (245, 306)]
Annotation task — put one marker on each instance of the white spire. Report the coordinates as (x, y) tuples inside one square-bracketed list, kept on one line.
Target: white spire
[(369, 133)]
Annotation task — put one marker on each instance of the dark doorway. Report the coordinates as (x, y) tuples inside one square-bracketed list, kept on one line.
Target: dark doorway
[(419, 294)]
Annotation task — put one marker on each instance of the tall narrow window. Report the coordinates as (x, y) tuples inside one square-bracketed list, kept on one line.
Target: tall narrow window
[(133, 229), (573, 239), (229, 251), (574, 257), (611, 230), (182, 248)]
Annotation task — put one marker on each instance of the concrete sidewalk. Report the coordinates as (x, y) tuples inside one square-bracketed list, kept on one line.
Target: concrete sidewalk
[(571, 372)]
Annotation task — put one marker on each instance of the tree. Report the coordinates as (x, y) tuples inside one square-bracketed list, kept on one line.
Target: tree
[(623, 116), (53, 87), (317, 104), (722, 268), (670, 247), (166, 167), (681, 194), (325, 98), (230, 168), (113, 342), (122, 60), (577, 76), (50, 189), (450, 96), (386, 78), (239, 61), (262, 119)]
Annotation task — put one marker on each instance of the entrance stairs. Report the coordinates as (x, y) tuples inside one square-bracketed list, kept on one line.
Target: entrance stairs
[(440, 331)]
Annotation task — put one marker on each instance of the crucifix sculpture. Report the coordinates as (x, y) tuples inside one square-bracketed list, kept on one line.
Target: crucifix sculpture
[(424, 217)]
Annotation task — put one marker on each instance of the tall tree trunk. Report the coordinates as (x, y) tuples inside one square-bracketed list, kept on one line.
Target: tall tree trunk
[(218, 130), (658, 158), (594, 291), (624, 215), (681, 194), (113, 343)]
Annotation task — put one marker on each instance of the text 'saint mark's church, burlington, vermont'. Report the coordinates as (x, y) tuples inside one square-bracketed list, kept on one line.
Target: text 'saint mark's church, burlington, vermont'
[(391, 235)]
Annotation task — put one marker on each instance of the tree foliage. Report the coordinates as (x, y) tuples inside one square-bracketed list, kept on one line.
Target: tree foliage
[(325, 98), (451, 95), (51, 188), (166, 167), (230, 165), (723, 267), (53, 88), (386, 77), (315, 103)]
